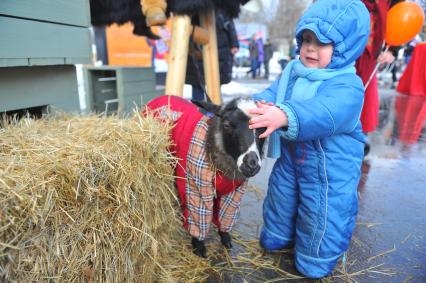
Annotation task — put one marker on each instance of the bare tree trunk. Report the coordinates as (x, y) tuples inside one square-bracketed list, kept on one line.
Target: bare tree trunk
[(284, 24)]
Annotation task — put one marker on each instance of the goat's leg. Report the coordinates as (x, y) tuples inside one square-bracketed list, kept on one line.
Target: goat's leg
[(225, 239), (199, 248)]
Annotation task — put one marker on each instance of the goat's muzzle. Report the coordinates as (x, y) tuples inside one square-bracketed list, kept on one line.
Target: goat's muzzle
[(250, 165)]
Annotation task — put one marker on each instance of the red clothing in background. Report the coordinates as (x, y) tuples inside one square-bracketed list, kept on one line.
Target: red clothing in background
[(366, 63), (413, 80), (411, 116)]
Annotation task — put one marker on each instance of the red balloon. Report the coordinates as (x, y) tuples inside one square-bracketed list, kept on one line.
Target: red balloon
[(403, 22)]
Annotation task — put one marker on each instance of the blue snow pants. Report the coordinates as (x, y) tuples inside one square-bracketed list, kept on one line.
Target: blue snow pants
[(311, 204)]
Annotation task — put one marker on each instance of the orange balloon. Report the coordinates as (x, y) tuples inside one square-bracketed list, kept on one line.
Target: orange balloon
[(403, 22)]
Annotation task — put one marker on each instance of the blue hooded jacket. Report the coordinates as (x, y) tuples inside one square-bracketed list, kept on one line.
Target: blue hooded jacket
[(345, 24), (312, 196)]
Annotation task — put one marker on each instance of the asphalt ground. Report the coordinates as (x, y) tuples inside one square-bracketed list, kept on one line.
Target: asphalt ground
[(389, 242)]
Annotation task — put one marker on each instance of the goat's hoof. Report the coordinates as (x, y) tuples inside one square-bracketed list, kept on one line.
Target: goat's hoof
[(226, 239), (199, 248)]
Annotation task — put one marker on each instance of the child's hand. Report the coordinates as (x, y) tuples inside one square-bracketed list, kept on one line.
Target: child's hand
[(270, 117)]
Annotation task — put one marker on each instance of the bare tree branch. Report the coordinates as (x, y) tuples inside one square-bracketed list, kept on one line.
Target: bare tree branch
[(284, 24)]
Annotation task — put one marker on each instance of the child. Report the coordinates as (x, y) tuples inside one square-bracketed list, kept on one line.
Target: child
[(312, 114)]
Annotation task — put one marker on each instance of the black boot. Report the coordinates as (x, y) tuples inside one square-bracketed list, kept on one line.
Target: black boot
[(225, 239), (199, 248)]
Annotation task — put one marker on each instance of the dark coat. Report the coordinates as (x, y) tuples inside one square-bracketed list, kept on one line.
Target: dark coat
[(268, 51), (253, 49), (226, 39)]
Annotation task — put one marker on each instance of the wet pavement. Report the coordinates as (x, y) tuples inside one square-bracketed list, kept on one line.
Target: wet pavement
[(389, 242)]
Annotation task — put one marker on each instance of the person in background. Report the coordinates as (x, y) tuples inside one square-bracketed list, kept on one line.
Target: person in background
[(283, 63), (409, 48), (152, 45), (260, 57), (228, 45), (394, 69), (292, 50), (268, 51), (311, 114), (254, 57), (367, 62)]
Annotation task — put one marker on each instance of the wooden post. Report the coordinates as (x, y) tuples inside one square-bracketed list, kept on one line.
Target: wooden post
[(181, 31), (211, 58)]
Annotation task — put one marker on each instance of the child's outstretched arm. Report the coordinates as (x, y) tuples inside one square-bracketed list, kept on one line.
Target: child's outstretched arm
[(269, 116)]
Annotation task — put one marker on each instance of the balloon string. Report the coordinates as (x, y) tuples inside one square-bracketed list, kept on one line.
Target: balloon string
[(375, 69)]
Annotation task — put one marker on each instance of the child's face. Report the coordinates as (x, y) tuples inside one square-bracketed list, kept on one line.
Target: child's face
[(313, 53)]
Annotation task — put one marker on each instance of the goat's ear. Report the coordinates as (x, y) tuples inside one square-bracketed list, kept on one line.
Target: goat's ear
[(209, 107)]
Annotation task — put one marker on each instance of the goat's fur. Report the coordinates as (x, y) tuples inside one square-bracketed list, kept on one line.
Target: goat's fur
[(107, 12), (219, 158)]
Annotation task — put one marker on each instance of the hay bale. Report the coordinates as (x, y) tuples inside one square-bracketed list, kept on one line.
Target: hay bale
[(86, 198)]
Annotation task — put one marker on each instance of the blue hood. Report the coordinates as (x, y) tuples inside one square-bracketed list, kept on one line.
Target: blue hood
[(343, 23)]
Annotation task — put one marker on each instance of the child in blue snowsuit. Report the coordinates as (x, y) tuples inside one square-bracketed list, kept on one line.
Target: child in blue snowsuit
[(312, 117)]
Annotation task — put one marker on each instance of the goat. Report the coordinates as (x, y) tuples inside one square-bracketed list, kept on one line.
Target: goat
[(217, 153)]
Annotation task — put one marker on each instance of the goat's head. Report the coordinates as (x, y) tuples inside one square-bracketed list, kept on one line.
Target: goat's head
[(233, 136)]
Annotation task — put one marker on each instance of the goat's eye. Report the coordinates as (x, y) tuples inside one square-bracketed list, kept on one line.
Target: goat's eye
[(227, 126)]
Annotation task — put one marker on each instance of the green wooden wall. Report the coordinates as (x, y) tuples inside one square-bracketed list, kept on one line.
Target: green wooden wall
[(26, 87), (69, 12), (44, 32), (40, 41), (130, 86)]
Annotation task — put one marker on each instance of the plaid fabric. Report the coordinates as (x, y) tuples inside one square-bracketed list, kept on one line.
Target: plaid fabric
[(201, 193), (230, 208)]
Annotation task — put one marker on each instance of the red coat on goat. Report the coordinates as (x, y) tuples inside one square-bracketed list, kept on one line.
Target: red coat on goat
[(205, 194)]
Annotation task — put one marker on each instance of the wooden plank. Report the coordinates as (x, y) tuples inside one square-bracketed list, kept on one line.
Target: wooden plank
[(71, 12), (147, 96), (128, 104), (29, 39), (104, 87), (211, 58), (88, 89), (25, 87), (94, 84), (6, 62), (101, 68), (46, 61), (101, 91), (137, 74), (80, 60), (181, 30), (131, 88)]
